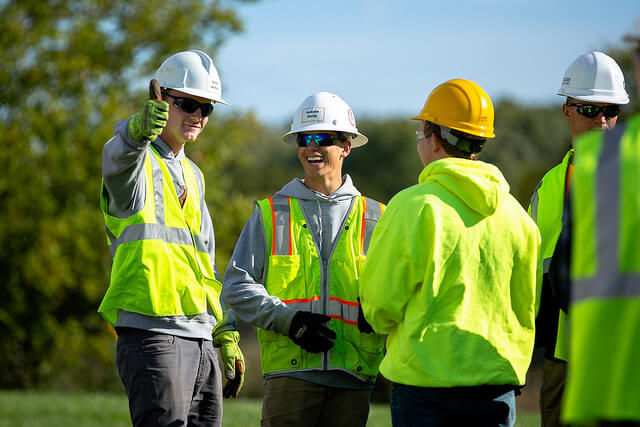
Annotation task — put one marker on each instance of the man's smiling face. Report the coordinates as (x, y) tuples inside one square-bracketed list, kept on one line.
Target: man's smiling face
[(323, 161)]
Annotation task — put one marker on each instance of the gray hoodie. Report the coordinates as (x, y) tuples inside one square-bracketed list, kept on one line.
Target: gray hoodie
[(244, 290), (124, 181)]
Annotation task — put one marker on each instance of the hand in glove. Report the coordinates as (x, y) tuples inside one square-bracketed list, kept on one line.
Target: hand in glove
[(150, 121), (309, 331), (363, 325), (233, 361)]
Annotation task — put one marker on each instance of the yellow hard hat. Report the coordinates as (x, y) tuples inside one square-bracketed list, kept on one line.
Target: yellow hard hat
[(461, 105)]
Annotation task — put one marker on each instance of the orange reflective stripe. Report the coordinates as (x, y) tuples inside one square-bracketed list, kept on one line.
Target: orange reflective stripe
[(364, 224), (342, 301), (289, 301)]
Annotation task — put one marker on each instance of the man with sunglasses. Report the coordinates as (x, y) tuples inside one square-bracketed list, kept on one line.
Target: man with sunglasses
[(597, 267), (163, 297), (594, 87), (295, 272)]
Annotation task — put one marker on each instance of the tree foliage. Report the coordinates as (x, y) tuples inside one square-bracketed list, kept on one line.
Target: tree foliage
[(67, 73)]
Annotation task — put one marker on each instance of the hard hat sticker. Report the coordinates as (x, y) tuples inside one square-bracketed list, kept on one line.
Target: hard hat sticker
[(352, 118), (214, 86), (312, 115)]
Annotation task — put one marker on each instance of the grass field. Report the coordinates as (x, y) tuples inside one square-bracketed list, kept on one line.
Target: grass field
[(40, 409)]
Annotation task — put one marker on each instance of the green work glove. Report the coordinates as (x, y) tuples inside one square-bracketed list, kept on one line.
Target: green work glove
[(233, 361), (150, 121)]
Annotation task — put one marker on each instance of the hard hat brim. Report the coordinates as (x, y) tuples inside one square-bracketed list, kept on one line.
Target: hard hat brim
[(590, 97), (199, 93), (470, 130)]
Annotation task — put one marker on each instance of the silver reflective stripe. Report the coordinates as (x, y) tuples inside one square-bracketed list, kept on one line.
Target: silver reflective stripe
[(314, 306), (282, 226), (158, 194), (546, 264), (608, 282), (371, 217), (112, 241), (341, 310), (179, 236), (534, 203)]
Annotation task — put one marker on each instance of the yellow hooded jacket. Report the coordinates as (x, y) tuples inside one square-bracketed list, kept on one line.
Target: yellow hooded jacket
[(453, 275)]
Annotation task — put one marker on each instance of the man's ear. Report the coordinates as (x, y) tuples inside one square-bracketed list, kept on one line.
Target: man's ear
[(566, 112), (437, 143), (346, 149)]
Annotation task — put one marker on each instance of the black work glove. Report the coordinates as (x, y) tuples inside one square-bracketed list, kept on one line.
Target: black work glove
[(309, 331), (363, 325)]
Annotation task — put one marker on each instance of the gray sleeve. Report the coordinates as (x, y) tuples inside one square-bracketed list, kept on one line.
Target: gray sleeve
[(122, 171), (243, 288)]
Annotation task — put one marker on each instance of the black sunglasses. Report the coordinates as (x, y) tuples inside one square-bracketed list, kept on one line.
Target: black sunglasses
[(591, 111), (190, 105), (321, 139)]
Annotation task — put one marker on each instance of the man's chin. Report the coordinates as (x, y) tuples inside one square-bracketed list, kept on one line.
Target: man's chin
[(191, 137)]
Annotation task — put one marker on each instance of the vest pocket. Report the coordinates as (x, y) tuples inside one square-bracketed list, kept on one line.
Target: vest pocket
[(364, 360), (283, 270), (278, 352)]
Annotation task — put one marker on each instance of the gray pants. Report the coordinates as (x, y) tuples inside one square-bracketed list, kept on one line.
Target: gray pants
[(170, 380), (292, 402)]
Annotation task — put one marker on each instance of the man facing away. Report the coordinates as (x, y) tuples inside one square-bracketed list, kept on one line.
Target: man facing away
[(295, 274), (453, 275), (163, 298), (594, 87)]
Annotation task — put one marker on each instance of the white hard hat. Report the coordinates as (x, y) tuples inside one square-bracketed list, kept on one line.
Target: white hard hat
[(324, 111), (594, 77), (191, 72)]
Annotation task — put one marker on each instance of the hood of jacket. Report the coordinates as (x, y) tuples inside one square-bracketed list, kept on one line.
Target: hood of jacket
[(481, 186), (296, 189)]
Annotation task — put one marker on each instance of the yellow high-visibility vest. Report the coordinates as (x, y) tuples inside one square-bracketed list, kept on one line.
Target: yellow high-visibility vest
[(547, 210), (296, 275), (161, 266), (603, 381)]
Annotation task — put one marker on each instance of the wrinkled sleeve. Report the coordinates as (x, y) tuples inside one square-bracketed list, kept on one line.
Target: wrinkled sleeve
[(122, 172), (243, 289), (391, 273)]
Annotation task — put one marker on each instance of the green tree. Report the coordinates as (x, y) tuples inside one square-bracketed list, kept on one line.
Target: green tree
[(68, 70)]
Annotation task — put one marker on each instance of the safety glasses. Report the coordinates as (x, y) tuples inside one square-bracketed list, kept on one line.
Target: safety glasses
[(591, 111), (321, 139), (191, 105)]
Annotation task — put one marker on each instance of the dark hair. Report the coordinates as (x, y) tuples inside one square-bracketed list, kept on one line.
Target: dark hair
[(467, 147)]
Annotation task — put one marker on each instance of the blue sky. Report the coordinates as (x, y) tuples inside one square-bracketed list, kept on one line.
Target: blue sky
[(384, 57)]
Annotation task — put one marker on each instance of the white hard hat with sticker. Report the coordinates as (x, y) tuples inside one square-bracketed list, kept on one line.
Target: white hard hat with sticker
[(325, 111), (594, 77), (191, 72)]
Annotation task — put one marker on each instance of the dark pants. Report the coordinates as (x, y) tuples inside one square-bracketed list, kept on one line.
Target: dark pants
[(458, 406), (170, 381), (554, 374), (290, 402)]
